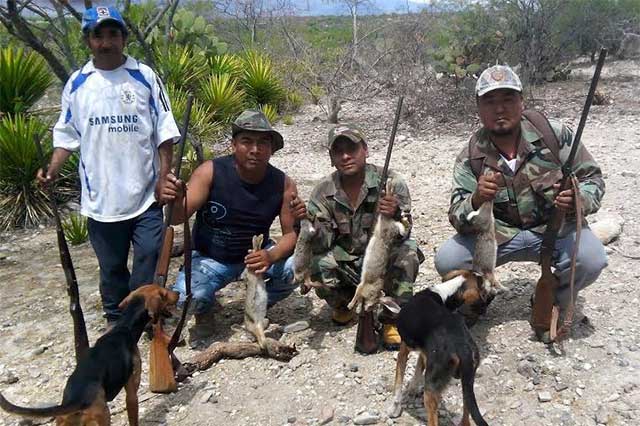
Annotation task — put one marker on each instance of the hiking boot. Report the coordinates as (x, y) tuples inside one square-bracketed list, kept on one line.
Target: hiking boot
[(204, 326), (390, 337), (341, 316)]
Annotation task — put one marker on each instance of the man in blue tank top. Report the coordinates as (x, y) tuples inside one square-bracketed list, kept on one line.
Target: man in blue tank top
[(236, 197)]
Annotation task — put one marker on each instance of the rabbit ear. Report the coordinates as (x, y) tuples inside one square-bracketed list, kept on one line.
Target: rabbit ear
[(257, 242), (389, 187)]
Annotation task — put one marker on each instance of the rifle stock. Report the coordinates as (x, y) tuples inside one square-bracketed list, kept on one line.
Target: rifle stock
[(81, 341)]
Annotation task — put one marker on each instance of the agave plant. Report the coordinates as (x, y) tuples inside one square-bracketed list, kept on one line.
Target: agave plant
[(75, 229), (225, 64), (222, 94), (260, 81), (181, 67), (24, 78), (270, 111), (22, 201)]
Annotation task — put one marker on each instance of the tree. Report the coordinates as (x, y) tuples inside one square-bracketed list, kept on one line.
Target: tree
[(353, 6)]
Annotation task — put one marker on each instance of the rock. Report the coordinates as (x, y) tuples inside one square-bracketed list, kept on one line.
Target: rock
[(544, 396), (326, 416), (353, 367), (206, 397), (8, 378), (296, 327), (291, 419), (608, 226), (602, 416), (559, 387), (366, 419)]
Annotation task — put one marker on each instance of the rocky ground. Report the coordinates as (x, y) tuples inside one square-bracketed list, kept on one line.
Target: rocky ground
[(520, 381)]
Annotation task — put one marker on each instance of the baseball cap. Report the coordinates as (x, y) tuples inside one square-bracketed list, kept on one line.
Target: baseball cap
[(256, 121), (95, 16), (348, 131), (497, 77)]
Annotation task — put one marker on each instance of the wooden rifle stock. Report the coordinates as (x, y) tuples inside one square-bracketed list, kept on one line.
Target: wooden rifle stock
[(542, 319), (161, 360), (81, 341), (367, 339)]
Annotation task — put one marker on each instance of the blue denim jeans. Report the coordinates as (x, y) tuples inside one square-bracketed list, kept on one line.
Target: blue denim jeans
[(111, 242), (457, 253), (208, 276)]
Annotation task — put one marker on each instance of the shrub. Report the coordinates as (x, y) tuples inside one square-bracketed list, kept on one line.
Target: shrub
[(22, 201), (75, 229), (293, 100), (181, 67), (270, 111), (287, 119), (24, 78), (225, 64), (259, 80), (222, 94)]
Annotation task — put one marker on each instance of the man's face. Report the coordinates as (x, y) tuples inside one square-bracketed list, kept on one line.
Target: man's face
[(252, 150), (500, 111), (349, 158), (107, 42)]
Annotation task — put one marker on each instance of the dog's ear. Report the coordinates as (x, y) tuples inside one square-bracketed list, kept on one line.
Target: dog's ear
[(126, 301), (169, 297), (390, 304)]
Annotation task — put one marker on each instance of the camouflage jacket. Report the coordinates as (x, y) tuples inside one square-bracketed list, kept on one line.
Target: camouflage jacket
[(525, 198), (342, 229)]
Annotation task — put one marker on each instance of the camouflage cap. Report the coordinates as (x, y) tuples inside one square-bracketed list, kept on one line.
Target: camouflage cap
[(256, 121), (348, 131), (497, 77)]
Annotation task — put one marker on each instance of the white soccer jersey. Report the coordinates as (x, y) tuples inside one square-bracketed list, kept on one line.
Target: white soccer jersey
[(117, 119)]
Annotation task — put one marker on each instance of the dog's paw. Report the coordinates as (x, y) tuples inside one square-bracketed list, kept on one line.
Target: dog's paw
[(394, 410)]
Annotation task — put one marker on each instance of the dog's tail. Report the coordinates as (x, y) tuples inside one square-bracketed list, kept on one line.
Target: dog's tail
[(54, 411), (467, 377)]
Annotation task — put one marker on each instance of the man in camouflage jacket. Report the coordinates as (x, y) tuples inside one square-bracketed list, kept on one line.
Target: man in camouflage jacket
[(343, 208), (523, 187)]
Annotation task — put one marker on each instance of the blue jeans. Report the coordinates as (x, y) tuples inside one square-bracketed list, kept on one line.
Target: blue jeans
[(457, 253), (208, 276), (111, 242)]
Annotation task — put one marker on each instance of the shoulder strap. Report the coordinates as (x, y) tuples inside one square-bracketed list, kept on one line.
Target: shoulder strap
[(476, 166), (549, 138)]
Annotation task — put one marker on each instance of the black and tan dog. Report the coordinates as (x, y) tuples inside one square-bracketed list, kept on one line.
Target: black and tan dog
[(111, 364), (427, 324)]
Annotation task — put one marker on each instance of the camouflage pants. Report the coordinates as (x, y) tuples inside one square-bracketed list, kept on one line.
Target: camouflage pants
[(342, 276)]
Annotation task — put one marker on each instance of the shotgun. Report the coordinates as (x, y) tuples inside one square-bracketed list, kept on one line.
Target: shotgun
[(543, 317), (161, 359), (81, 341), (367, 339)]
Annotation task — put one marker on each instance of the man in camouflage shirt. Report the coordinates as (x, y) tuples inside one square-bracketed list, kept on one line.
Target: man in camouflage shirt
[(523, 187), (343, 207)]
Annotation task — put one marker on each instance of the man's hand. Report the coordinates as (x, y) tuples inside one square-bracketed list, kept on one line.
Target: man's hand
[(486, 190), (46, 180), (169, 189), (564, 200), (298, 207), (388, 205), (258, 262)]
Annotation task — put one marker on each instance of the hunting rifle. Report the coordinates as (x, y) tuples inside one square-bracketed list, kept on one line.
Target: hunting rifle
[(162, 361), (544, 312), (81, 341), (367, 340)]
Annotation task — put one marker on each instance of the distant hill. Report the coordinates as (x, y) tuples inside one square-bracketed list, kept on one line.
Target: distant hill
[(324, 7)]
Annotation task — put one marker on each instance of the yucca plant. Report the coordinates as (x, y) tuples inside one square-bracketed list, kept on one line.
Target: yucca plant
[(225, 64), (202, 124), (75, 228), (24, 78), (259, 80), (222, 94), (270, 111), (181, 67), (22, 201)]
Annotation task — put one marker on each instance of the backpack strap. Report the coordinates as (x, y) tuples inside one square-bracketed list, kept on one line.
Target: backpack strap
[(549, 138), (476, 164)]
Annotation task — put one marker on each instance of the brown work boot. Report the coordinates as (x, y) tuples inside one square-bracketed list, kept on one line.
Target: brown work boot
[(390, 337), (341, 316)]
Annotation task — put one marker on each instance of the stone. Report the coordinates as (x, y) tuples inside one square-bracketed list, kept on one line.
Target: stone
[(206, 396), (366, 419), (326, 416), (544, 396), (296, 327)]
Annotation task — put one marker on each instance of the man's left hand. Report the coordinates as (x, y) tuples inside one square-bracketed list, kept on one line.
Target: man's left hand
[(564, 200), (388, 205), (298, 207), (258, 262), (165, 189)]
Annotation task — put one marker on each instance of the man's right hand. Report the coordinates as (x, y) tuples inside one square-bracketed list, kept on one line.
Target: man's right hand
[(45, 180), (486, 190), (169, 189)]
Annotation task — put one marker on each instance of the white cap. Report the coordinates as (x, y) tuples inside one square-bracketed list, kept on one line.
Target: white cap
[(497, 77)]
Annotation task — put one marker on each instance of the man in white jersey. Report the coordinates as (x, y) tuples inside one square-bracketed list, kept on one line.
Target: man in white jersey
[(116, 112)]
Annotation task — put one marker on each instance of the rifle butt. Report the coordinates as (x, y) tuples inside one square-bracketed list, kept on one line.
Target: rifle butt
[(161, 376), (367, 341), (543, 301)]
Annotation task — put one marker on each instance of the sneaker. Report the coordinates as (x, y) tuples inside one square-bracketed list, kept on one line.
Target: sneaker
[(390, 337), (341, 316)]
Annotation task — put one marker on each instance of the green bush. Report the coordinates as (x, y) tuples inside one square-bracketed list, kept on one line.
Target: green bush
[(287, 119), (270, 111), (225, 64), (181, 66), (24, 78), (293, 100), (222, 94), (260, 81), (75, 229), (22, 201)]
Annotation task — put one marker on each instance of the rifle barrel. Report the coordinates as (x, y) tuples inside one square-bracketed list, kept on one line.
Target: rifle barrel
[(392, 138), (566, 168)]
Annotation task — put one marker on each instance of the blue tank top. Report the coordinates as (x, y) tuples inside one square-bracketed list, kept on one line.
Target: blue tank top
[(236, 211)]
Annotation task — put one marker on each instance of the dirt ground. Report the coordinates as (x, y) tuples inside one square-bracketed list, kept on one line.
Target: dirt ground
[(519, 382)]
